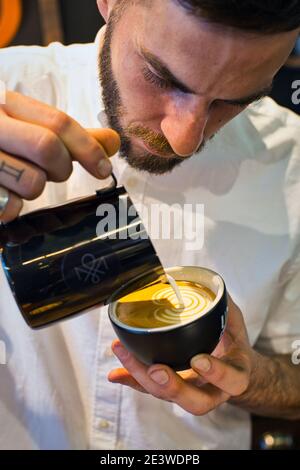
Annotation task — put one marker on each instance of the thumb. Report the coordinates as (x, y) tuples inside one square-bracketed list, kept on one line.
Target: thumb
[(108, 138)]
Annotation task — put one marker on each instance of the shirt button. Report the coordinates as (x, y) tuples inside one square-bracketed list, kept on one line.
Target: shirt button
[(103, 424)]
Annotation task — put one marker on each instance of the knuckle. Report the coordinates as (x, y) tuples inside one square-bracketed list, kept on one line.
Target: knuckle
[(196, 412), (220, 375), (34, 185), (47, 146), (242, 386), (92, 149), (171, 393), (196, 409), (161, 395), (204, 408), (65, 173), (174, 391), (59, 121)]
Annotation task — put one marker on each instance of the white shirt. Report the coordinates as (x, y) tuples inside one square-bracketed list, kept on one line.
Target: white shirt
[(54, 393)]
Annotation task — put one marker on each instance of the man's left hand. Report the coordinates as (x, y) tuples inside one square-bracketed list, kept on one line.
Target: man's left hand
[(212, 380)]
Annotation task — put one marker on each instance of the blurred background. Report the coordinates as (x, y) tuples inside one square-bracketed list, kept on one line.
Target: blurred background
[(28, 22)]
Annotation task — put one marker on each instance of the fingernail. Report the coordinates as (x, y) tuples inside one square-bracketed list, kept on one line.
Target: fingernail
[(202, 363), (4, 196), (160, 377), (104, 168), (121, 352)]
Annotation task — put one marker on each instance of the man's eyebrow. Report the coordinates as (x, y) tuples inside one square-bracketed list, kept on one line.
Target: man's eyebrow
[(164, 73)]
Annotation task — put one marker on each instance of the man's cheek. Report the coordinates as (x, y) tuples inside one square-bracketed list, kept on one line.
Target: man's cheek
[(140, 98)]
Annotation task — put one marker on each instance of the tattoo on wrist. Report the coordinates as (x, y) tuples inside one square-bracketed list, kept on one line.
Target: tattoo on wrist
[(11, 171)]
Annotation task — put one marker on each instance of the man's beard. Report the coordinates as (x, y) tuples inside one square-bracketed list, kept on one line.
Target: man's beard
[(144, 161)]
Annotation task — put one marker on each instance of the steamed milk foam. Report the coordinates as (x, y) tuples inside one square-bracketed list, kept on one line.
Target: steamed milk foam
[(157, 305)]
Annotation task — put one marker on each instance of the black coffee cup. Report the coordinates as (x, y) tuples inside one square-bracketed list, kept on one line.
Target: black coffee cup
[(62, 260), (175, 345)]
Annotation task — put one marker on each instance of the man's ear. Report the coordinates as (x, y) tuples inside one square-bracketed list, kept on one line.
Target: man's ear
[(105, 7)]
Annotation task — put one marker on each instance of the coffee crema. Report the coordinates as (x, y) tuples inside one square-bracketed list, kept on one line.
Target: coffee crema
[(157, 305)]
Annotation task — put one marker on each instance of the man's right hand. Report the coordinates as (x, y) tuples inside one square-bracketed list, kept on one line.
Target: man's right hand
[(38, 143)]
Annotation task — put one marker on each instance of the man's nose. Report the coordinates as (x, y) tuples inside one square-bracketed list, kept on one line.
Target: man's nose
[(184, 127)]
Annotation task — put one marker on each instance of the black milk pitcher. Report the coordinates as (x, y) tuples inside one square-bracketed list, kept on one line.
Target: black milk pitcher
[(62, 260)]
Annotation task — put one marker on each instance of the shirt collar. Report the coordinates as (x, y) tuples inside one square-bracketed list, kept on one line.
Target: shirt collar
[(101, 116)]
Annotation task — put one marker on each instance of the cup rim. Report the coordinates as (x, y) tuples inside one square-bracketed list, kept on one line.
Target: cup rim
[(163, 329)]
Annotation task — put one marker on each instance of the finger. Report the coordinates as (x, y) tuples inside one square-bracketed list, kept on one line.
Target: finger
[(135, 368), (235, 321), (108, 138), (83, 147), (122, 377), (230, 379), (23, 178), (37, 145), (191, 377), (235, 336), (188, 375), (12, 208), (162, 382)]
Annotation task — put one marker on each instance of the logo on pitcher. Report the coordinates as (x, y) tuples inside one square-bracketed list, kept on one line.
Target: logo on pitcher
[(92, 270)]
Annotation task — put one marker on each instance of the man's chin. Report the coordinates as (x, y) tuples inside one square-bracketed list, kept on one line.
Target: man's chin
[(150, 163)]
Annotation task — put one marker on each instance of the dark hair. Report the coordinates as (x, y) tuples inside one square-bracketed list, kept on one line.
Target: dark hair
[(264, 16)]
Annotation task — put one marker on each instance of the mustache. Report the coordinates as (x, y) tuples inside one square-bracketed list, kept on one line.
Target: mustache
[(155, 141)]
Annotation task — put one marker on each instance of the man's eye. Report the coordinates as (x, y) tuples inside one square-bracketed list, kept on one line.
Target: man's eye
[(155, 79)]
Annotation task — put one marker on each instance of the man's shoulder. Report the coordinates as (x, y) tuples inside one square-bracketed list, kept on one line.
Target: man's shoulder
[(55, 53), (268, 111), (277, 129), (43, 72), (265, 131)]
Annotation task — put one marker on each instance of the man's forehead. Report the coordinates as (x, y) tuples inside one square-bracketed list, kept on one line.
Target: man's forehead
[(170, 20), (176, 34)]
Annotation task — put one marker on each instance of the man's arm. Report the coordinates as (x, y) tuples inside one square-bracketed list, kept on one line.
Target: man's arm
[(274, 388), (234, 373)]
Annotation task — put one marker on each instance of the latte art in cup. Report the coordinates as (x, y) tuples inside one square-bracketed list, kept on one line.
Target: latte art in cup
[(157, 305), (159, 326)]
